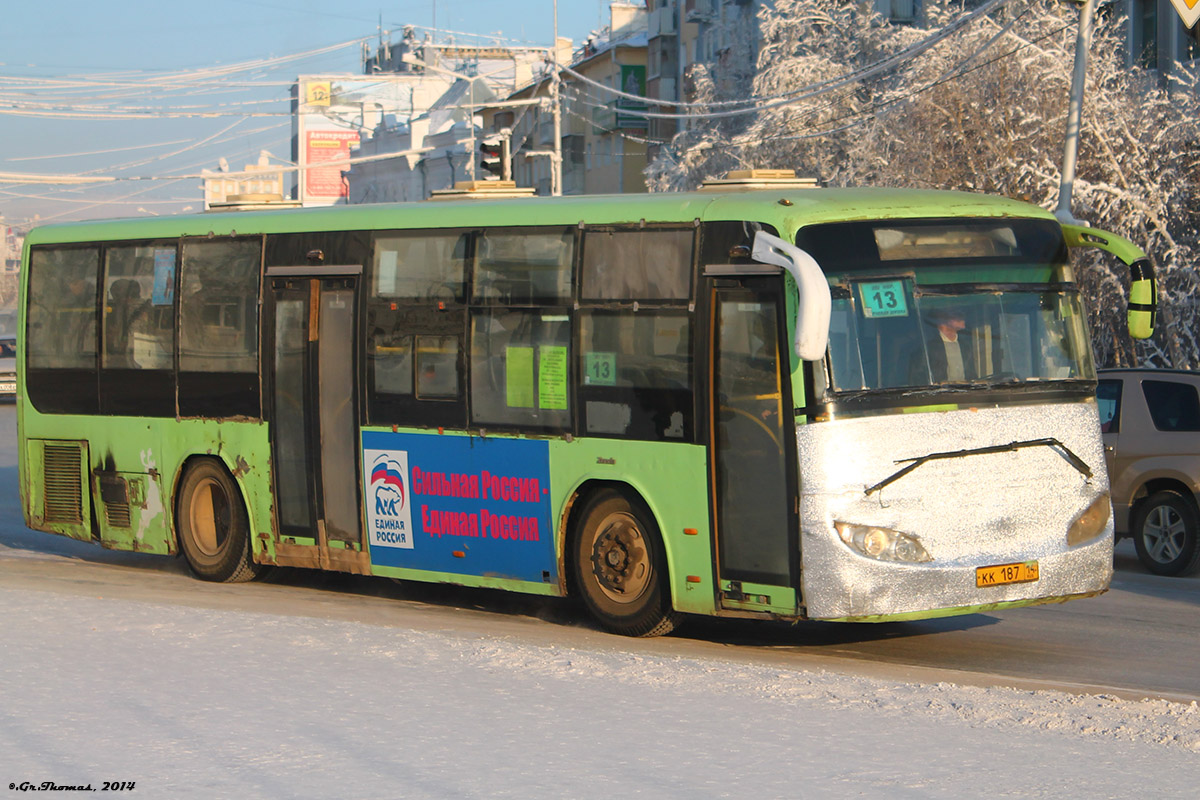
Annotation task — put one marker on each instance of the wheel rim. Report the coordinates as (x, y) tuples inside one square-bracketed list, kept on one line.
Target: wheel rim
[(1164, 534), (209, 517), (620, 558)]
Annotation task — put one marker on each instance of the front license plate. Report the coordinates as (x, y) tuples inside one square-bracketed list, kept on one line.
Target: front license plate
[(1001, 574)]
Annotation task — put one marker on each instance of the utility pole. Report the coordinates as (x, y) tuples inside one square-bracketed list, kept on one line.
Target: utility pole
[(471, 127), (555, 81), (1083, 42), (681, 55)]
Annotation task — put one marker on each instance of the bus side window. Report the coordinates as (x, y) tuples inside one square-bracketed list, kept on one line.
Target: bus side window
[(523, 267), (137, 361), (519, 368), (636, 373), (648, 265), (218, 327), (61, 340), (415, 321), (437, 367), (521, 329), (635, 360), (139, 313)]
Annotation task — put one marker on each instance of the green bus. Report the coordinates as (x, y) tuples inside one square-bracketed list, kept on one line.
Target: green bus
[(730, 403)]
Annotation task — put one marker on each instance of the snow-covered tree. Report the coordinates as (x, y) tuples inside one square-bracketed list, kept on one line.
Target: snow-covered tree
[(982, 110)]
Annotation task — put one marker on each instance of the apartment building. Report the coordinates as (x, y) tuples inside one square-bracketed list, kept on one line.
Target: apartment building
[(603, 144)]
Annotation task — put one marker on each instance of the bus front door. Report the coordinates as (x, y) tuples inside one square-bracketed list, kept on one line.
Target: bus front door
[(314, 426), (752, 446)]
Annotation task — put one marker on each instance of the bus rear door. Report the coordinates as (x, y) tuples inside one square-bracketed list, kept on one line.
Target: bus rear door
[(752, 447)]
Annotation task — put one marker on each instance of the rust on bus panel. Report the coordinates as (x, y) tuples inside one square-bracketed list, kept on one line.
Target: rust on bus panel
[(130, 504), (240, 467), (324, 557)]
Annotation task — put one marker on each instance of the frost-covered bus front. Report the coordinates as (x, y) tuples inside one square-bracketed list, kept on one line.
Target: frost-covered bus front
[(953, 462)]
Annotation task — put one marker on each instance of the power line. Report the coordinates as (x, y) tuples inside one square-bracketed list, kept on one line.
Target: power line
[(29, 178), (99, 152)]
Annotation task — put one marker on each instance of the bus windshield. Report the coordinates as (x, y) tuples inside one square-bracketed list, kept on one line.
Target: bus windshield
[(920, 305)]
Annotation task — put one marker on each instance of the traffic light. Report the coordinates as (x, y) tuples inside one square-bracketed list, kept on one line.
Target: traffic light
[(494, 156)]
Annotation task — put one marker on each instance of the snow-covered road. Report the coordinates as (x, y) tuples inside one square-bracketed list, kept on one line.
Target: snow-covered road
[(202, 702)]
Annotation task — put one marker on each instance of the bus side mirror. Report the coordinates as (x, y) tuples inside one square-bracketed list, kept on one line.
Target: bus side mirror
[(1143, 299), (814, 306), (1143, 290)]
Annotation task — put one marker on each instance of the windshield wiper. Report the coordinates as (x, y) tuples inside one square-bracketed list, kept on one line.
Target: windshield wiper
[(1072, 459)]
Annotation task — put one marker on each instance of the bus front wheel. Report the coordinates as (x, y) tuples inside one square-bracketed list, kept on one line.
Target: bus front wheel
[(620, 567), (214, 532)]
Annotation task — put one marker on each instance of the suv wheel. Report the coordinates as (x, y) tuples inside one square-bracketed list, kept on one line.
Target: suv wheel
[(1165, 534)]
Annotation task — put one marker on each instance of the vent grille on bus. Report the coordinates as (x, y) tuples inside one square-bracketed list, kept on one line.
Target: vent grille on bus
[(117, 514), (64, 488)]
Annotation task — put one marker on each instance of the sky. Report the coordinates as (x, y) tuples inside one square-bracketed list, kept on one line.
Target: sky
[(53, 54)]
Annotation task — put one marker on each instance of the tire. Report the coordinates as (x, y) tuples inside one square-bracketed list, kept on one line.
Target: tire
[(1165, 532), (214, 532), (620, 567)]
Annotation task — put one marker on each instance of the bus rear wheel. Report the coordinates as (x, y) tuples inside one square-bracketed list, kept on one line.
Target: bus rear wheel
[(214, 532), (620, 567)]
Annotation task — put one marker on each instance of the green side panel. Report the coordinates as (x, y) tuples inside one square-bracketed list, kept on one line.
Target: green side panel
[(136, 463), (130, 513), (54, 487), (244, 448), (672, 479)]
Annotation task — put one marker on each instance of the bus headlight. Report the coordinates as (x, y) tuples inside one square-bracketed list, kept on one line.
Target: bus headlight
[(882, 544), (1092, 522)]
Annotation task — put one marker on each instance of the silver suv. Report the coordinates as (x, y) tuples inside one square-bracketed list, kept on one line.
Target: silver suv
[(1150, 421)]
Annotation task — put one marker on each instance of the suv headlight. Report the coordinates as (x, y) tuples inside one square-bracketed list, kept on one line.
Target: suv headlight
[(1092, 522), (882, 544)]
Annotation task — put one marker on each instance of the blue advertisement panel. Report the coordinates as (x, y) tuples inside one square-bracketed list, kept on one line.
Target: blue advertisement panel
[(459, 504)]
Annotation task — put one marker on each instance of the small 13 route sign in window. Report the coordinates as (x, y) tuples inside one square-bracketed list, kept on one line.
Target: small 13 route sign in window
[(883, 299)]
